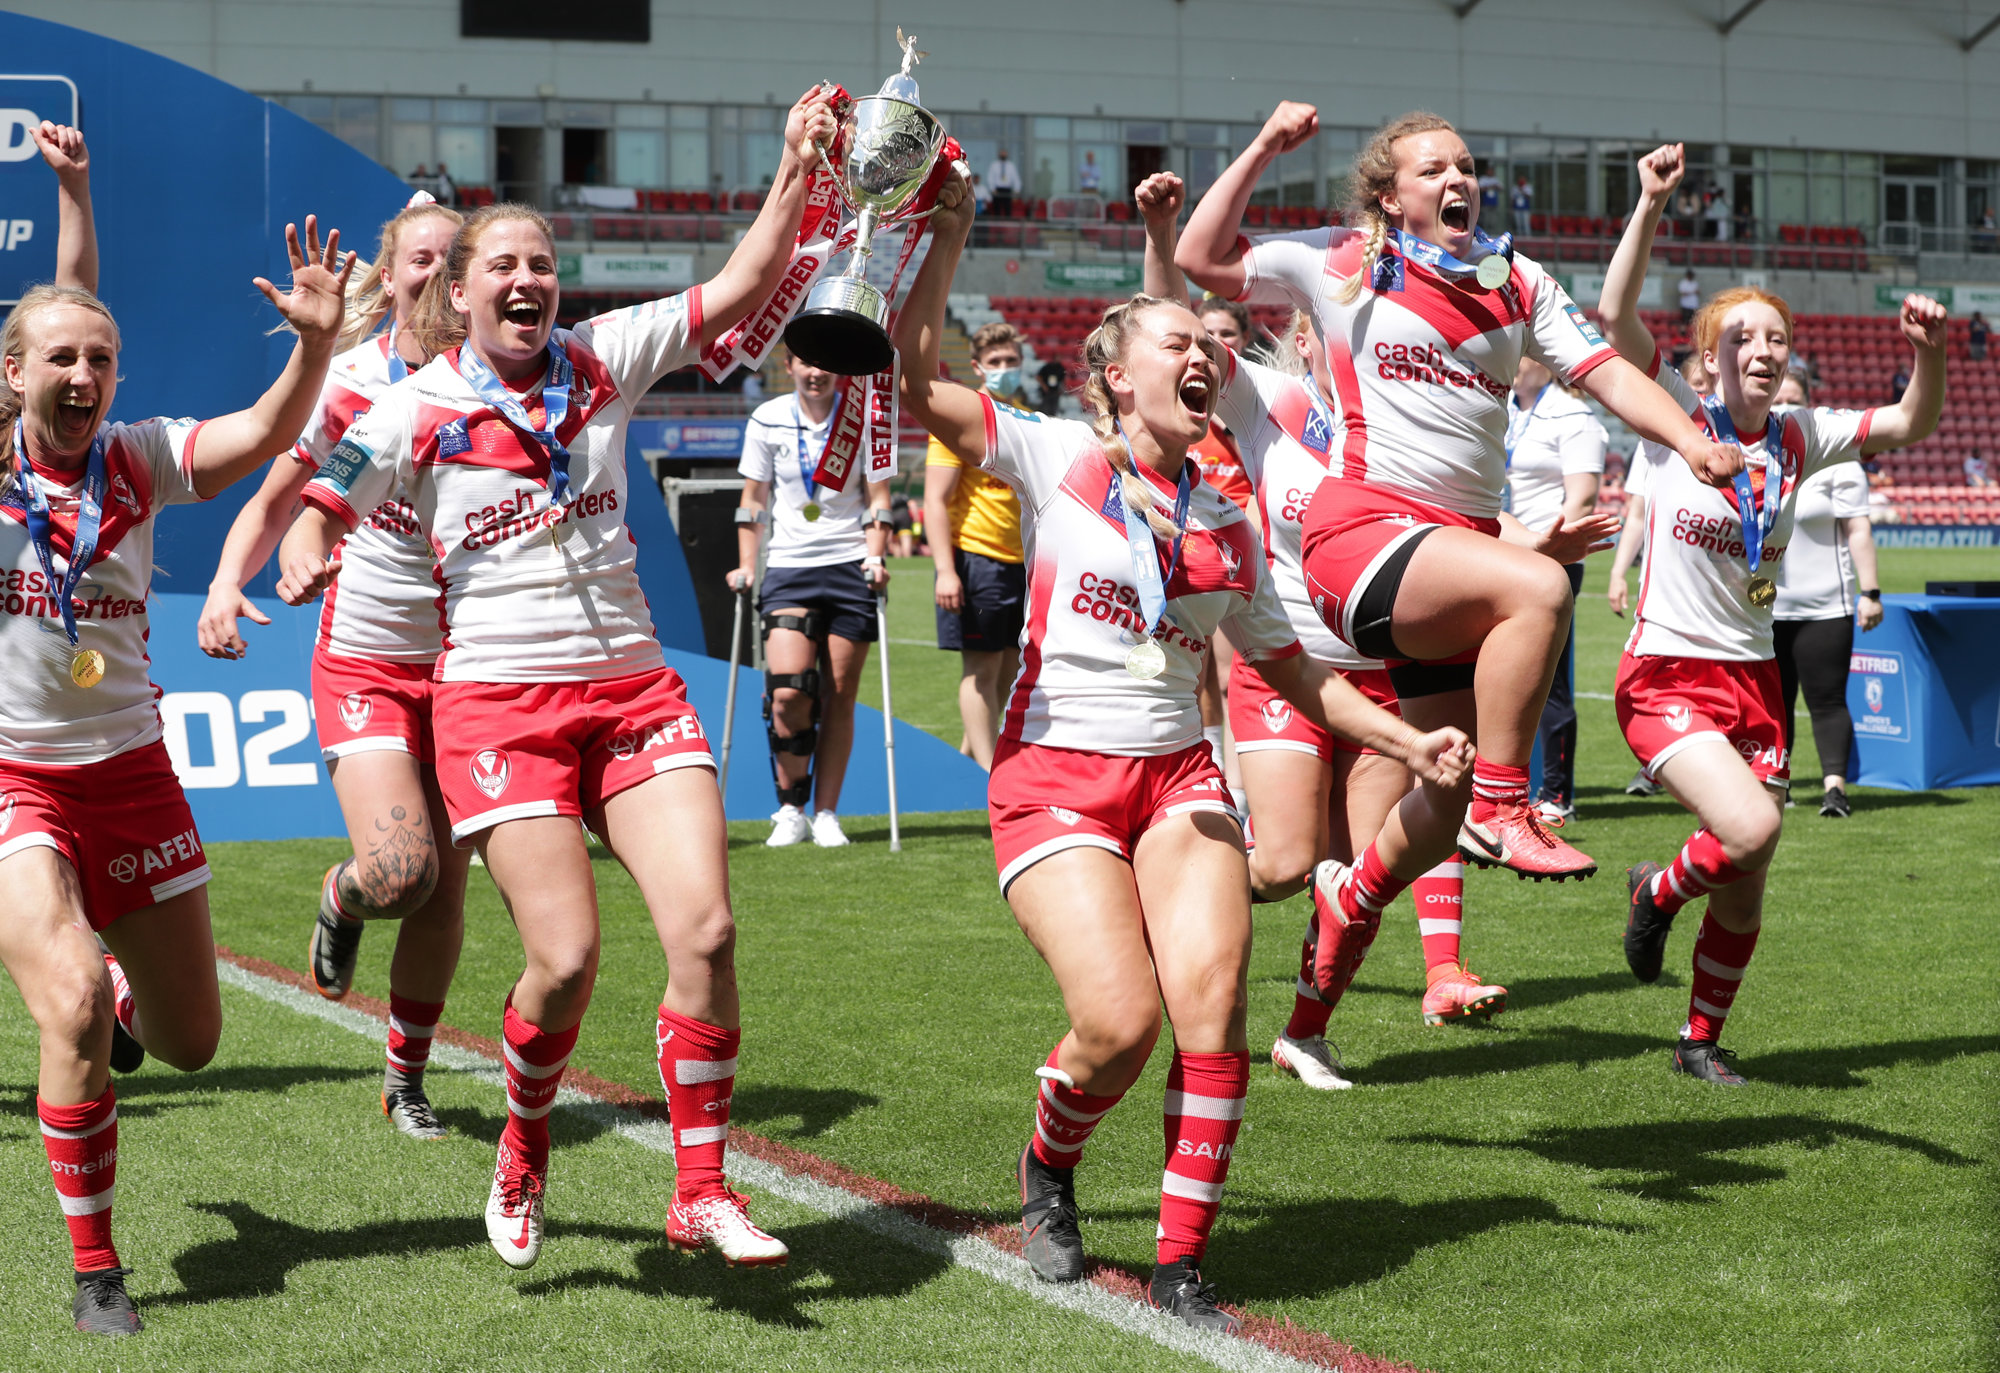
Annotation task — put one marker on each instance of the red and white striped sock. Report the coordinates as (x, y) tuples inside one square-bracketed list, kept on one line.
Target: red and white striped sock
[(1440, 899), (1204, 1109), (1720, 958), (412, 1026), (1309, 1014), (1498, 784), (1698, 869), (535, 1062), (1371, 887), (82, 1143), (698, 1071), (1064, 1116)]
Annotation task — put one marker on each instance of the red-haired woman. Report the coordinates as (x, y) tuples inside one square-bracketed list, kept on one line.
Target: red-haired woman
[(511, 445), (1403, 552), (96, 839), (1117, 845), (1698, 692), (378, 639)]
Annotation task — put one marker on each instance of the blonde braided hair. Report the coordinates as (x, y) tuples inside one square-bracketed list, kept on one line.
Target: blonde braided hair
[(1374, 176)]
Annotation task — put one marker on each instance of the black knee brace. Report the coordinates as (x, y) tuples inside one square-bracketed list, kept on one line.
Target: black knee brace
[(812, 624)]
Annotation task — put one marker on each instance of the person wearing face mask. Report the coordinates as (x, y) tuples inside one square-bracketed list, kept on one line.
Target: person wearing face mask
[(827, 561), (371, 678), (1117, 847), (511, 443), (105, 932), (975, 532), (1699, 689), (1405, 552), (1555, 460)]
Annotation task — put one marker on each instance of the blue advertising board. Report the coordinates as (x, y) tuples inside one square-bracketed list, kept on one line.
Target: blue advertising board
[(720, 437), (1923, 689), (27, 186)]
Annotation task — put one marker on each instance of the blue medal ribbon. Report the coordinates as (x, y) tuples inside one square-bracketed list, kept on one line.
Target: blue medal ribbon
[(398, 369), (89, 521), (1146, 554), (1389, 270), (1747, 513), (555, 402)]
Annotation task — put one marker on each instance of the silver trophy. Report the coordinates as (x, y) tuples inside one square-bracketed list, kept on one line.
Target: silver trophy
[(887, 146)]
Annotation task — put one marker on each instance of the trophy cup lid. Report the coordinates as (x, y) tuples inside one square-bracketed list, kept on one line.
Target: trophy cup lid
[(902, 85)]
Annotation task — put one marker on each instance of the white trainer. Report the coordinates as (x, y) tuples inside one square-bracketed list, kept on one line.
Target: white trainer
[(514, 1212), (827, 832), (789, 826), (1312, 1061), (1554, 814), (724, 1222)]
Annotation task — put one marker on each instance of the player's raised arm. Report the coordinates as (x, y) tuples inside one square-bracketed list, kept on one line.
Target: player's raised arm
[(1210, 250), (62, 147), (1159, 198), (1660, 171), (755, 268), (1914, 418), (953, 413)]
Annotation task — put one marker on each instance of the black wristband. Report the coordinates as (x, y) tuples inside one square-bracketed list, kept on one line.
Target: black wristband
[(1873, 595)]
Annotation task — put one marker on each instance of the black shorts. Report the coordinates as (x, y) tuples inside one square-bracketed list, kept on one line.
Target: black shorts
[(837, 590), (996, 598)]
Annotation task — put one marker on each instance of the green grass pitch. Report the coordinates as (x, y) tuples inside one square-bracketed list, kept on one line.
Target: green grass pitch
[(1543, 1194)]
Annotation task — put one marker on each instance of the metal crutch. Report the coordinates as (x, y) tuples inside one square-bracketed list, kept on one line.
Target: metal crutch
[(888, 718), (729, 701)]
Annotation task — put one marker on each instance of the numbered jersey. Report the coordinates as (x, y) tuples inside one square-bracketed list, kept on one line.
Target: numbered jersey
[(533, 592), (1694, 601), (45, 717), (1422, 371), (385, 602), (1084, 615), (1289, 447)]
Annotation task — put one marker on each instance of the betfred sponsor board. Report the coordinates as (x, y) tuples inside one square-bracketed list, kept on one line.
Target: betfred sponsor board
[(27, 186), (690, 438), (1877, 696)]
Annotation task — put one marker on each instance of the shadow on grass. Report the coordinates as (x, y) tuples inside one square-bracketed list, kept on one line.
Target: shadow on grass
[(816, 1109), (1490, 1053), (257, 1259), (832, 1260), (1676, 1158), (1362, 1240), (172, 1091), (1841, 1066)]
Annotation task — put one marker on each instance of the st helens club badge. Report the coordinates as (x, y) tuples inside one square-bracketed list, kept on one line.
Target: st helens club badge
[(491, 771)]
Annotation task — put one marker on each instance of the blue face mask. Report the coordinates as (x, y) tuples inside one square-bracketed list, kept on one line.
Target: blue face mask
[(1003, 381)]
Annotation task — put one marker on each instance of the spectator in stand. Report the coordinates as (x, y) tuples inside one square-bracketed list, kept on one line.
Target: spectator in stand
[(1045, 180), (1717, 214), (1899, 382), (1523, 202), (974, 520), (1090, 177), (421, 179), (982, 196), (1489, 193), (1555, 461), (1687, 209), (1832, 550), (1690, 295), (1987, 237), (1049, 383), (1975, 470), (446, 191), (1975, 331), (1003, 179)]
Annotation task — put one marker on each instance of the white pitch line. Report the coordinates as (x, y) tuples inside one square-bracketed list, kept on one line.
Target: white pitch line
[(967, 1251)]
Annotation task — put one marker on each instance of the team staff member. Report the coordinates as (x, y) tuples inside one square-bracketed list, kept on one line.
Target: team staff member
[(511, 442), (1555, 460), (817, 602), (1402, 553), (975, 531), (1832, 550), (371, 675), (1118, 849), (1312, 795), (1698, 689), (98, 838)]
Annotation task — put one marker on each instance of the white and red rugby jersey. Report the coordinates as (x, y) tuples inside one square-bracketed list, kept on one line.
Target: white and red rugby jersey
[(385, 602), (1422, 373), (1694, 600), (45, 718), (1290, 445), (530, 595), (1084, 612)]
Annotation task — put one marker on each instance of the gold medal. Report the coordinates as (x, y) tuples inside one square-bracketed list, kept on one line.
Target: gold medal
[(1763, 591), (1146, 661), (811, 511), (1493, 271), (86, 667)]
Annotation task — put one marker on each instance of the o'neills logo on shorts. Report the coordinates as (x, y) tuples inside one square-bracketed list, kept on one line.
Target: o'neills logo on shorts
[(491, 771)]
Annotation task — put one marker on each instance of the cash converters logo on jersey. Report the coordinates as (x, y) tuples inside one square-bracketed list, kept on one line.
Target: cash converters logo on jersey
[(27, 186)]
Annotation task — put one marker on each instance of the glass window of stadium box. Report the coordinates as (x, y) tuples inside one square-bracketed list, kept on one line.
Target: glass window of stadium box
[(687, 148), (465, 150)]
